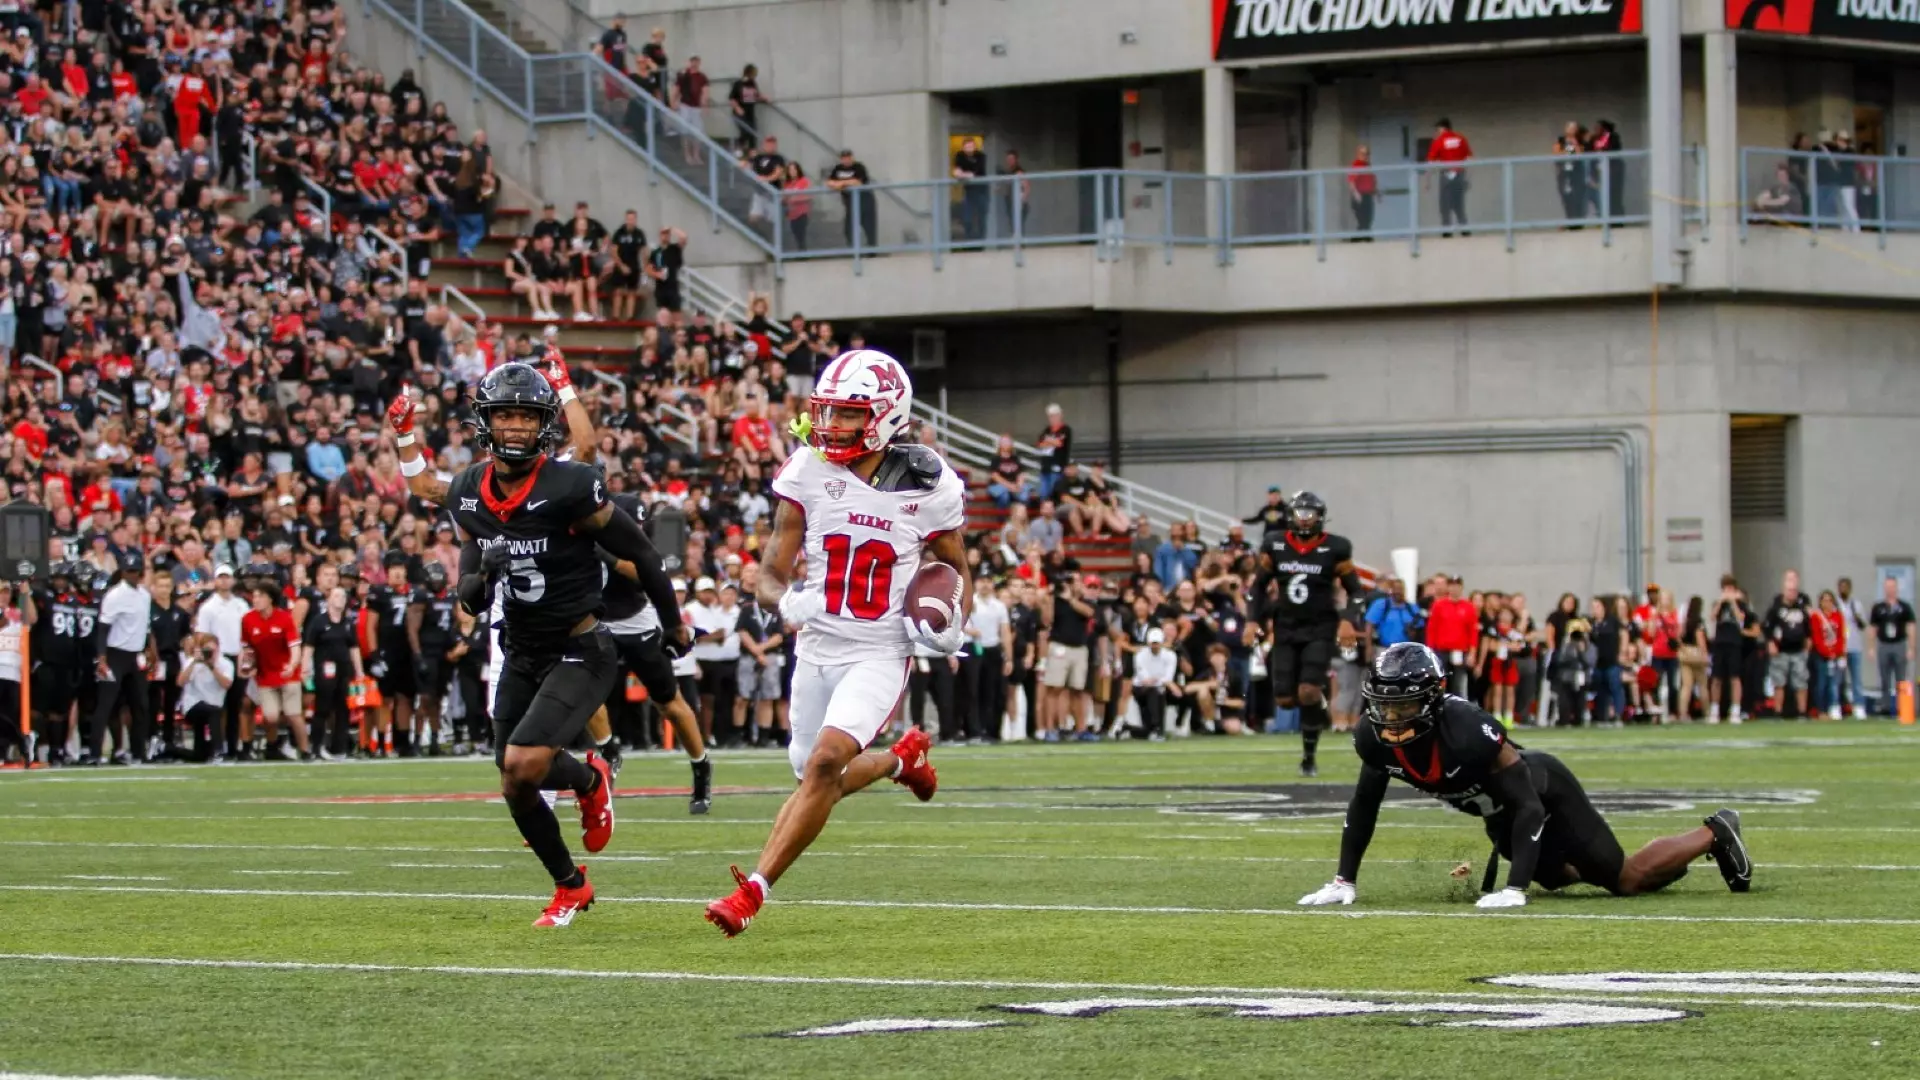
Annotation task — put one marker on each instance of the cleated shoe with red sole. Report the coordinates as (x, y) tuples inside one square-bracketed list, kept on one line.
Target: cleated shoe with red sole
[(596, 808), (733, 912), (916, 772), (567, 903)]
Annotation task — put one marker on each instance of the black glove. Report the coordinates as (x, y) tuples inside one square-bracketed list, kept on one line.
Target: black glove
[(423, 669), (494, 561)]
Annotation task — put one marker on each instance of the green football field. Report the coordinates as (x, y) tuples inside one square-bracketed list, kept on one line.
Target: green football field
[(1119, 910)]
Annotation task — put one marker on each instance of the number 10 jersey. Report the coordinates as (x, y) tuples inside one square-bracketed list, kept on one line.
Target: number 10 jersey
[(863, 546), (553, 580)]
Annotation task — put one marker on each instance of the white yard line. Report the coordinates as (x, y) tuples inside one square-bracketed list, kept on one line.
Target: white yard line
[(898, 983), (110, 877), (285, 873), (447, 866), (860, 851), (1534, 912), (68, 1076)]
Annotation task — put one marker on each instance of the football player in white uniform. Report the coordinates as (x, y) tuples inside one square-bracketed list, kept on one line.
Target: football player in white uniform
[(865, 510)]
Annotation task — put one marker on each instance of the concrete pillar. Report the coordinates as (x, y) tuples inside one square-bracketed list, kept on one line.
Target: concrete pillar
[(1217, 120), (1663, 140), (1721, 145)]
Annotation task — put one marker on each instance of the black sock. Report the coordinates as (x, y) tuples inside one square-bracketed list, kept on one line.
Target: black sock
[(1309, 737), (402, 741), (542, 831), (569, 773)]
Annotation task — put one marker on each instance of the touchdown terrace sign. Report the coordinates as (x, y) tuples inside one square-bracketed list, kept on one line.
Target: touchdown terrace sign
[(1866, 20), (1244, 29)]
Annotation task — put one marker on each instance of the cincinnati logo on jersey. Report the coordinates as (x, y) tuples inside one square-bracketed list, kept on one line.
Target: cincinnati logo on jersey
[(517, 547), (1299, 568)]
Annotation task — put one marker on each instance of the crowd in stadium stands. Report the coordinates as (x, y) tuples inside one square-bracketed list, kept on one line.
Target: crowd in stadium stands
[(1827, 180), (194, 392)]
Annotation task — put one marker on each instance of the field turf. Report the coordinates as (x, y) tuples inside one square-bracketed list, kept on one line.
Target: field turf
[(292, 921)]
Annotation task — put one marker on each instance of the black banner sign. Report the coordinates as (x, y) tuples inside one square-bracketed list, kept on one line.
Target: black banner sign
[(1245, 29), (1865, 20)]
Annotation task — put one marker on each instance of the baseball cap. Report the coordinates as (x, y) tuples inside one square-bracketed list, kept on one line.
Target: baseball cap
[(223, 570), (705, 584), (679, 584), (1156, 637), (1092, 581)]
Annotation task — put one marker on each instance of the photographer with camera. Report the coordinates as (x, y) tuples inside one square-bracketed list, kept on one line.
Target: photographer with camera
[(204, 679), (1068, 629), (1732, 621)]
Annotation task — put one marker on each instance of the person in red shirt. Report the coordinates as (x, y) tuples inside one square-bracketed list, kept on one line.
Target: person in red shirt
[(274, 646), (188, 98), (1453, 631), (1450, 147), (1829, 633), (755, 443), (32, 431), (1362, 188), (73, 75), (123, 85)]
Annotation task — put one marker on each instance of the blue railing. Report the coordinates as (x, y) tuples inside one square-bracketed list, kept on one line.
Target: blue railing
[(1827, 192), (582, 88), (1113, 208)]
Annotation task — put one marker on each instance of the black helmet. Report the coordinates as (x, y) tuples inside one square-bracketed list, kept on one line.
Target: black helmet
[(516, 386), (435, 574), (61, 569), (1307, 514), (1403, 691)]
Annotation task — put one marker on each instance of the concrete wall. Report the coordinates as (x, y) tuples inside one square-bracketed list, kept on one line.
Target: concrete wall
[(1542, 522)]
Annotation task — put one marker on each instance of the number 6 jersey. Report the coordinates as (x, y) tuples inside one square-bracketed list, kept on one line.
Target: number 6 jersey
[(864, 543), (553, 581)]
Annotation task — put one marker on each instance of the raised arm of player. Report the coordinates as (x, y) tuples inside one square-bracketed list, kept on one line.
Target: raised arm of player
[(616, 531), (579, 425), (413, 463)]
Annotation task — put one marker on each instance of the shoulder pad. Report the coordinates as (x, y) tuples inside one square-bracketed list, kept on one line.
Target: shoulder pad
[(628, 501), (908, 467)]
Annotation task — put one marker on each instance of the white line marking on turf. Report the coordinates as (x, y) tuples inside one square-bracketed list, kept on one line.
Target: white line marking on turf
[(307, 873), (447, 866), (892, 982), (54, 1076), (110, 877), (888, 851), (1533, 912)]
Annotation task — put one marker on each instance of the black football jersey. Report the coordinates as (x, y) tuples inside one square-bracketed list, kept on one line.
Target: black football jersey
[(436, 627), (1451, 762), (1303, 574), (69, 619), (391, 605), (554, 579), (623, 597)]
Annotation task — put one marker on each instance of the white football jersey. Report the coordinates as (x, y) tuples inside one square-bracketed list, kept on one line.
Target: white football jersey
[(863, 547)]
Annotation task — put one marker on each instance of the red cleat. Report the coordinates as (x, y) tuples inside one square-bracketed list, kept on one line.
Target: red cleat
[(732, 913), (916, 772), (567, 903), (596, 809)]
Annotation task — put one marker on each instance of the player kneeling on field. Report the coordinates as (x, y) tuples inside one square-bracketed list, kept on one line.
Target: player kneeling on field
[(1535, 812)]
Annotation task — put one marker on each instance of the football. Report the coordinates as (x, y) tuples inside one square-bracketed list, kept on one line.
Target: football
[(934, 596)]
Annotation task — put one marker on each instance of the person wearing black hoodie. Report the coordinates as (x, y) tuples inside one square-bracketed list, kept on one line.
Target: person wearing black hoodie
[(1606, 140)]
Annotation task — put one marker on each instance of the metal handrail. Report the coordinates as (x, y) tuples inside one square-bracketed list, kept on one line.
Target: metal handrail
[(1813, 216), (450, 292), (711, 298), (398, 250), (326, 205), (692, 439), (974, 445), (593, 72)]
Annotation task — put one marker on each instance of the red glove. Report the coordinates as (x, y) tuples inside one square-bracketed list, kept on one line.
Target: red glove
[(400, 414), (555, 370)]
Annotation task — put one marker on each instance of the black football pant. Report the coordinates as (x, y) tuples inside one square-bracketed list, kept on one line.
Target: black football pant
[(933, 674), (127, 687), (1577, 845), (546, 700)]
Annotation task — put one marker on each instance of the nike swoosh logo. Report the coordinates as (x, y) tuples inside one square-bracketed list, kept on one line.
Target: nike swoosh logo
[(570, 660), (1455, 769), (537, 504), (1537, 833)]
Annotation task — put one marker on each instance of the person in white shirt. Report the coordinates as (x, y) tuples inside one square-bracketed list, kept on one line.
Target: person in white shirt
[(121, 634), (986, 662), (219, 615), (1154, 671), (15, 622), (205, 677), (714, 614)]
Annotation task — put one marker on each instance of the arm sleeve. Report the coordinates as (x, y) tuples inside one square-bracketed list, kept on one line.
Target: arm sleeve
[(1363, 812), (472, 588), (1512, 787), (623, 539)]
